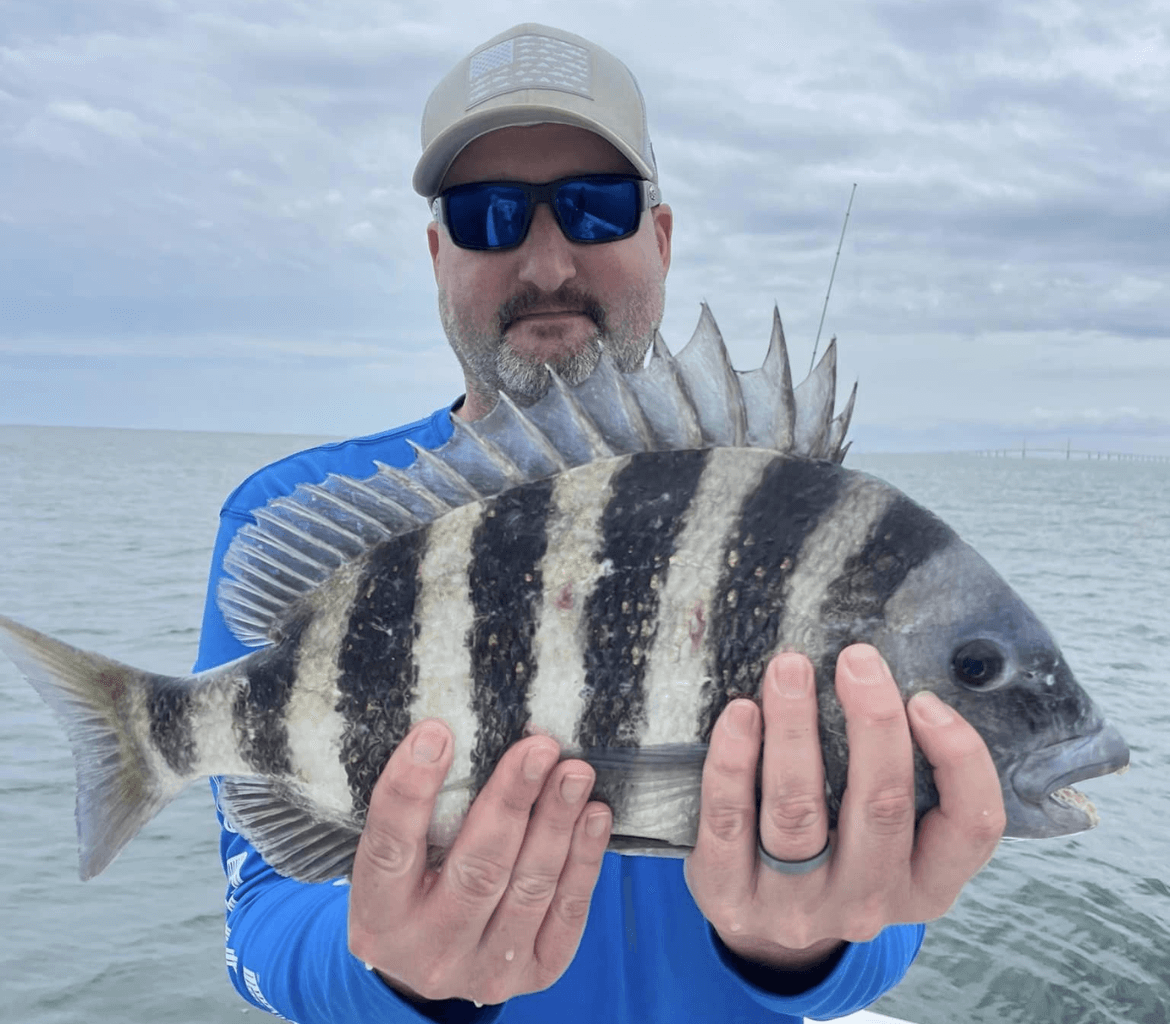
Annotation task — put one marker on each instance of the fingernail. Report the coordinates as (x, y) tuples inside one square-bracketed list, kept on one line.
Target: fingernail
[(572, 787), (429, 743), (791, 680), (930, 710), (595, 824), (858, 659), (739, 718), (537, 763)]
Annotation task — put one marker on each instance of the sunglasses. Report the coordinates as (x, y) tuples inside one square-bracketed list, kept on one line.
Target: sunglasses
[(591, 209)]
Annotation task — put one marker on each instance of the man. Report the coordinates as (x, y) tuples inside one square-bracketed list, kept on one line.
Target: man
[(529, 918)]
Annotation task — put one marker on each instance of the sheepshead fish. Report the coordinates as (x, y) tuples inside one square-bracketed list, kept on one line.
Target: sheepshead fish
[(609, 566)]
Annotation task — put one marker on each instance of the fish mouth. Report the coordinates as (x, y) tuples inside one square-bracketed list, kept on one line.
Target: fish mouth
[(1043, 783)]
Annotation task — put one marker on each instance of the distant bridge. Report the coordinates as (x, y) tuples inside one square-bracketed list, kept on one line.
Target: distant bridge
[(1068, 451)]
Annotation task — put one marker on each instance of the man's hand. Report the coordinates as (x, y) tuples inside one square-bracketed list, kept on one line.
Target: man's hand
[(505, 913), (879, 872)]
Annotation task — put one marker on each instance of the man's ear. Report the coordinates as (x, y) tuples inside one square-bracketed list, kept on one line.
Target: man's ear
[(663, 226), (433, 245)]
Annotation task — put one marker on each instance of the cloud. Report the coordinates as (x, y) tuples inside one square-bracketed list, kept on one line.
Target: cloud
[(232, 181)]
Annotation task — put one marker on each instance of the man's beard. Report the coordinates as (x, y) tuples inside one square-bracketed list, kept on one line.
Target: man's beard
[(494, 363)]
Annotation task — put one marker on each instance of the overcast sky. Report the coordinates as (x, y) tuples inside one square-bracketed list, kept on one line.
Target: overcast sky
[(206, 219)]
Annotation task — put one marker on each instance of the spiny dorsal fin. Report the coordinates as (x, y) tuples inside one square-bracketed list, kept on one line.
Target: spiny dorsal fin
[(767, 395), (668, 408), (839, 428), (713, 385), (814, 407), (697, 400)]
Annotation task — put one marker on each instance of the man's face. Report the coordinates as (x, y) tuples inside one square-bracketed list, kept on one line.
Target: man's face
[(509, 313)]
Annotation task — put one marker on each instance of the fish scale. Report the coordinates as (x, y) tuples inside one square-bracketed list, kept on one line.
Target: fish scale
[(609, 566)]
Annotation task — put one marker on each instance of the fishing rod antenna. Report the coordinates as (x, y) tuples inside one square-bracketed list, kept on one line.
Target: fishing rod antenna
[(828, 291)]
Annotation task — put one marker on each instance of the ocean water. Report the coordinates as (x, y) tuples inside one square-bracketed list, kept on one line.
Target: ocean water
[(105, 537)]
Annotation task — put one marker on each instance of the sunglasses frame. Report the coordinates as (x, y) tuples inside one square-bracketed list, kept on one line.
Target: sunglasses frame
[(536, 193)]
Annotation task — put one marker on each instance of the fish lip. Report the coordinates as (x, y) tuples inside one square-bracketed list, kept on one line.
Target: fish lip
[(1047, 770)]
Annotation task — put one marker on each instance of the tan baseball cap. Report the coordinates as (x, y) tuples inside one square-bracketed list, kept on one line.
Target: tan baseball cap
[(533, 74)]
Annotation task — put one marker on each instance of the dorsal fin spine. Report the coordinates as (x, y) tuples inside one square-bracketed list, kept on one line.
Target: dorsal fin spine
[(505, 466), (535, 435), (280, 523), (583, 420), (349, 509), (291, 507), (455, 480), (409, 486), (264, 539), (686, 405)]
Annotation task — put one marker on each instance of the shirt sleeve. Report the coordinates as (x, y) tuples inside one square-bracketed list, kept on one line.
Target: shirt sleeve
[(865, 971)]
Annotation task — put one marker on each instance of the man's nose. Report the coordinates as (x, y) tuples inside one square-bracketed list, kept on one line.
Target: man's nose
[(546, 255)]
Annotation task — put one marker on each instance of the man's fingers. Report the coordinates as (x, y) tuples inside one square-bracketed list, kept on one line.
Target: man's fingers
[(956, 838), (391, 855), (727, 808), (480, 863), (876, 827), (563, 925), (541, 860), (794, 821)]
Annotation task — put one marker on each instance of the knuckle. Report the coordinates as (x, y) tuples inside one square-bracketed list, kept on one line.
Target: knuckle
[(363, 943), (493, 991), (794, 815), (988, 828), (533, 889), (516, 806), (544, 975), (556, 819), (432, 982), (733, 761), (387, 852), (573, 909), (798, 933), (730, 824), (477, 878), (865, 921), (409, 787), (727, 920), (887, 717), (890, 811)]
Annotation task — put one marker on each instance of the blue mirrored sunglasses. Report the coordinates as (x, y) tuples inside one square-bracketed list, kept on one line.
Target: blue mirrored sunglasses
[(591, 209)]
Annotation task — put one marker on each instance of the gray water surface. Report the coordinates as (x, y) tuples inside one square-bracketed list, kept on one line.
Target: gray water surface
[(105, 538)]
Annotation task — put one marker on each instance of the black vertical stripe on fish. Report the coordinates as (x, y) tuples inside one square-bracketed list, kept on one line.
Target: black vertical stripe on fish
[(505, 586), (168, 708), (903, 538), (788, 504), (853, 608), (258, 711), (378, 675), (639, 528)]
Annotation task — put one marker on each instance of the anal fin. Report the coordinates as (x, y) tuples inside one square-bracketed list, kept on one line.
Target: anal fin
[(288, 833)]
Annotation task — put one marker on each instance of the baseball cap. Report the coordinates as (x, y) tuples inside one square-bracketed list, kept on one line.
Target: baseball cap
[(533, 74)]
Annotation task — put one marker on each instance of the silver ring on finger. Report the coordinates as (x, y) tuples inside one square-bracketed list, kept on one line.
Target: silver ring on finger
[(796, 867)]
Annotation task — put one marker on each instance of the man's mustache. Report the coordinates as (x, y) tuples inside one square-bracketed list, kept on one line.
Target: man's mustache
[(533, 300)]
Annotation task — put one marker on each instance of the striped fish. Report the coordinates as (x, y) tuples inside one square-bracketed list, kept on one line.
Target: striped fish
[(609, 566)]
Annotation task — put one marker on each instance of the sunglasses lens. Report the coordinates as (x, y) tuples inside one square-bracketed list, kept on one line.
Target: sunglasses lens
[(495, 215), (486, 216), (598, 211)]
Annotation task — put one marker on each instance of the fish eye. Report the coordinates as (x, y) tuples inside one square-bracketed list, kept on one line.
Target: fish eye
[(978, 664)]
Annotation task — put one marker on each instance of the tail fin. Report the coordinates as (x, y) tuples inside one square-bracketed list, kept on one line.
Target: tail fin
[(98, 701)]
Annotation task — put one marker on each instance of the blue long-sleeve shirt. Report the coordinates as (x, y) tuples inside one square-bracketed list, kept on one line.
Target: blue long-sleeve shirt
[(647, 954)]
